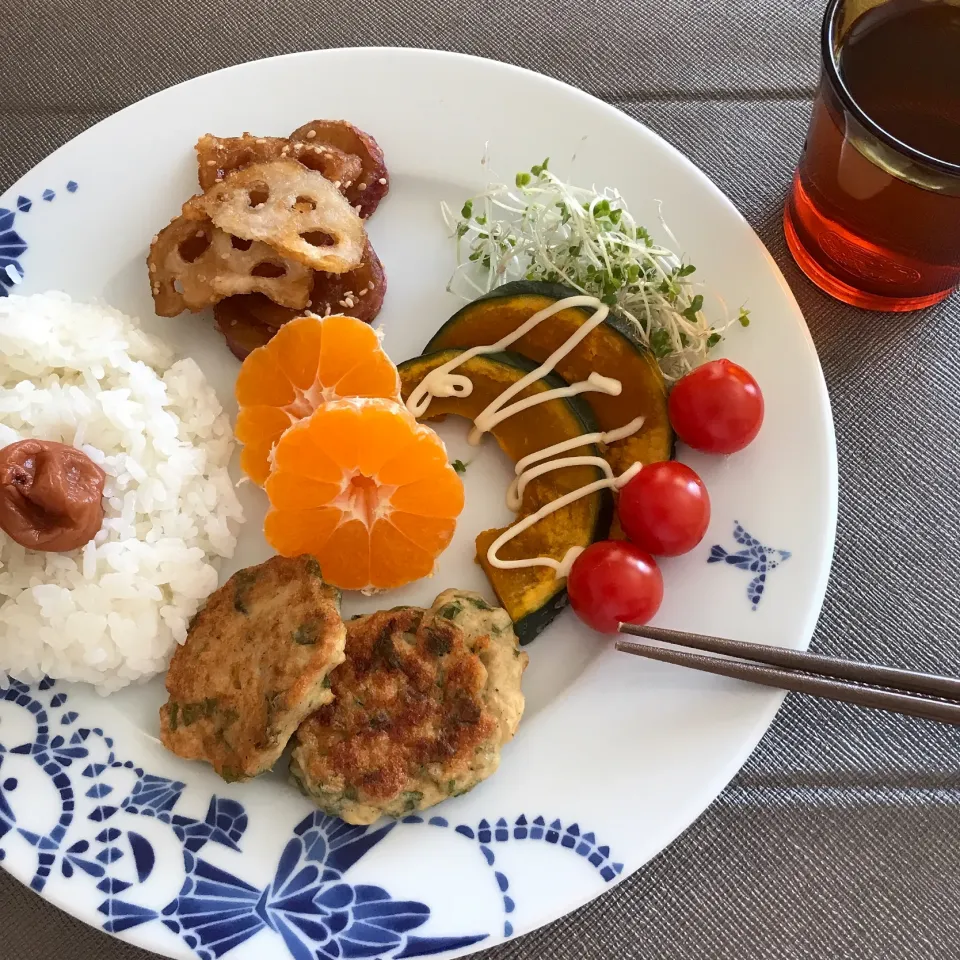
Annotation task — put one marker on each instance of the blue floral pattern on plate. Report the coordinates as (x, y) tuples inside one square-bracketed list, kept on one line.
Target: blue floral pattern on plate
[(12, 248), (12, 244), (310, 903)]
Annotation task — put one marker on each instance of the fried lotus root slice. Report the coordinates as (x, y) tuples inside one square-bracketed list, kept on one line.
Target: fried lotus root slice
[(249, 321), (342, 169), (219, 156), (192, 264), (373, 183), (254, 309), (296, 211), (241, 330), (358, 293)]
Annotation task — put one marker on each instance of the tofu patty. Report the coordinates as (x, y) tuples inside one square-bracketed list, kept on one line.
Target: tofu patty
[(423, 704), (255, 663)]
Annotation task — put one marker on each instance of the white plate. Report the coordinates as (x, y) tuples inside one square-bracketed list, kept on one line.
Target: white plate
[(615, 756)]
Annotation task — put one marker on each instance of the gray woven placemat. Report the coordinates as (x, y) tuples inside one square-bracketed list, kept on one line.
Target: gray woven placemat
[(841, 836)]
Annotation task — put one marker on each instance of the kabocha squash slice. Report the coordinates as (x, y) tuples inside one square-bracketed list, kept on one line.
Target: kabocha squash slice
[(611, 350), (533, 596)]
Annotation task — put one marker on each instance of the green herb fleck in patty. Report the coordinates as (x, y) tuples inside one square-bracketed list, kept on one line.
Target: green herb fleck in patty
[(242, 581), (438, 643), (307, 634), (450, 611)]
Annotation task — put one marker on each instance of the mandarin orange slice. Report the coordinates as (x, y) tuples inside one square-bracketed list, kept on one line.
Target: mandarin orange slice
[(366, 490), (308, 362)]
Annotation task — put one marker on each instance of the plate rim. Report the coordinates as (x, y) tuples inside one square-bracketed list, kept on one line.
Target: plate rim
[(767, 715)]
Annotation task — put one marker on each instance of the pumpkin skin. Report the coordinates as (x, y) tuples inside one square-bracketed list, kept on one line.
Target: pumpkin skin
[(610, 350), (533, 596)]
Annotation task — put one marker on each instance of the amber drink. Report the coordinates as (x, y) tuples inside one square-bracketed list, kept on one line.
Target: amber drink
[(873, 217)]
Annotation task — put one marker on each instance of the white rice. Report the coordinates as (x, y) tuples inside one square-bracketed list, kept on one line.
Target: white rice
[(111, 612)]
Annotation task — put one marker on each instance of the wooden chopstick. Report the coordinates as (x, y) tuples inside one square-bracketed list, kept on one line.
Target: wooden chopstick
[(864, 684)]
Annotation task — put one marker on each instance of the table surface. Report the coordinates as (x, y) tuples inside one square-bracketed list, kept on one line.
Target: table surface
[(840, 838)]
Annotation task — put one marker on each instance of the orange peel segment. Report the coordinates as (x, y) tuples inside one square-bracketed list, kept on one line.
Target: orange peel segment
[(310, 361), (366, 532)]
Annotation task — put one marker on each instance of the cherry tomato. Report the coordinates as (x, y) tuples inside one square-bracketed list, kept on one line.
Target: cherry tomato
[(718, 408), (614, 582), (665, 509)]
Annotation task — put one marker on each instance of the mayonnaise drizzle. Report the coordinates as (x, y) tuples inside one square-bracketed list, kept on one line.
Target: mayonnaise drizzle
[(496, 413), (561, 567), (443, 382), (523, 466)]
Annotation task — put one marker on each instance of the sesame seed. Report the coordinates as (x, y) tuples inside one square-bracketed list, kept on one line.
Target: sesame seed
[(211, 163), (154, 240), (362, 186), (363, 293), (343, 303), (382, 181), (349, 183), (153, 268), (311, 134), (358, 207), (326, 312), (336, 183), (199, 233)]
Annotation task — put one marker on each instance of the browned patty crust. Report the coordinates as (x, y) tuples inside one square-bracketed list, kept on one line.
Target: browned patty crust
[(423, 704), (255, 663)]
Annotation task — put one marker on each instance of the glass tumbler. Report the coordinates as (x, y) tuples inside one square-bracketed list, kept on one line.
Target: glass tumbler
[(873, 215)]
